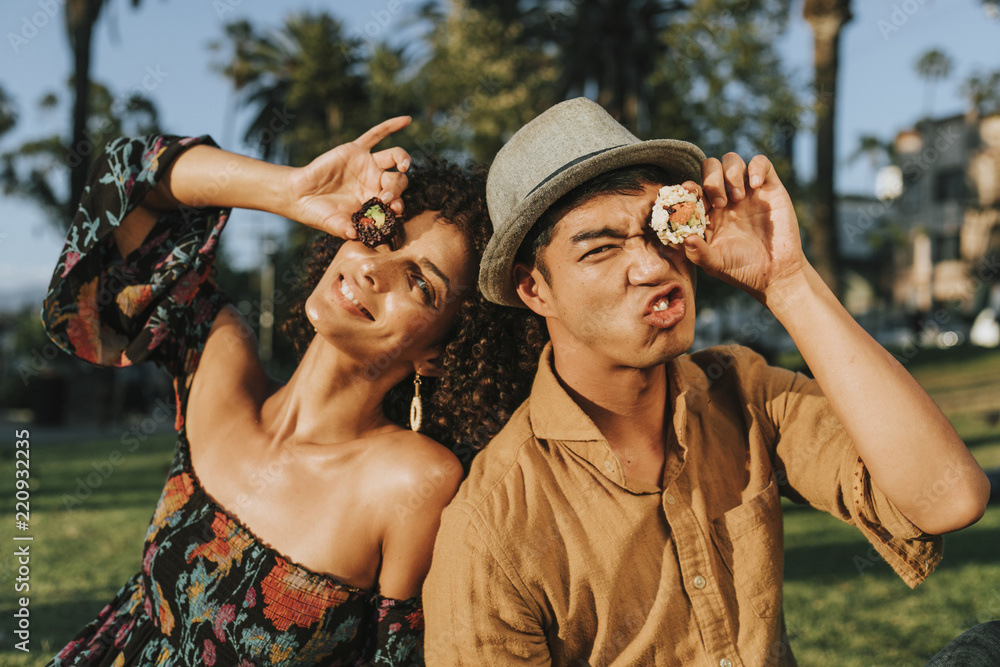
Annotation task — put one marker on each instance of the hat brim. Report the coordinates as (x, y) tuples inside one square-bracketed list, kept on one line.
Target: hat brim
[(680, 159)]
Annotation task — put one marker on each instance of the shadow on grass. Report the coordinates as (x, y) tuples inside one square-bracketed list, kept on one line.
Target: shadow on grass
[(982, 440), (54, 625), (933, 358), (849, 558)]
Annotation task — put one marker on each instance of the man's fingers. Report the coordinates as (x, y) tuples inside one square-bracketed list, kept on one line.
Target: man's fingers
[(392, 158), (714, 182), (736, 175), (691, 186), (762, 172), (699, 252), (370, 139)]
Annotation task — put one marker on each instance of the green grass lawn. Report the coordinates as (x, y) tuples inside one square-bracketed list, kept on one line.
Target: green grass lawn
[(836, 614), (82, 552)]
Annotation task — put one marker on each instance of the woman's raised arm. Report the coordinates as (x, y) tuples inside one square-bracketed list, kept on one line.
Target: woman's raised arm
[(323, 194)]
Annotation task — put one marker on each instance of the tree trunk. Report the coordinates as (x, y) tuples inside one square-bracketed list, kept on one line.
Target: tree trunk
[(826, 17), (80, 18)]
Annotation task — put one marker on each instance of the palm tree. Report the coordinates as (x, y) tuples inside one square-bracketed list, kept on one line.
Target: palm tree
[(826, 18), (483, 79), (304, 83), (933, 66), (878, 151), (609, 46), (982, 91), (606, 48)]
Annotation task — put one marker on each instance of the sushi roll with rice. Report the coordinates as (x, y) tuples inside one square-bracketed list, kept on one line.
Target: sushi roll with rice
[(375, 222), (677, 214)]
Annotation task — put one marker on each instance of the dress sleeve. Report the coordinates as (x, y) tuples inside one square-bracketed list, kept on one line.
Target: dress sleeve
[(817, 463), (158, 303), (399, 633)]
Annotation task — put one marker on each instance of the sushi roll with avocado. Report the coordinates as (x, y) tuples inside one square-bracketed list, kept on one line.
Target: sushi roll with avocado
[(375, 222), (677, 214)]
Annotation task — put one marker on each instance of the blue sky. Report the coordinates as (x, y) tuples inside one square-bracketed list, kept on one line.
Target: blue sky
[(162, 49)]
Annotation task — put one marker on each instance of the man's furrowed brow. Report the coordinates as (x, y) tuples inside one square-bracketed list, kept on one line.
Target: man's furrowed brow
[(603, 232)]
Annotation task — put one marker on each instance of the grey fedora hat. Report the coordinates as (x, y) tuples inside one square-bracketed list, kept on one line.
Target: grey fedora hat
[(563, 147)]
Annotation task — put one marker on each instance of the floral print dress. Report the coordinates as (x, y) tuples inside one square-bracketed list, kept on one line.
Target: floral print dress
[(209, 591)]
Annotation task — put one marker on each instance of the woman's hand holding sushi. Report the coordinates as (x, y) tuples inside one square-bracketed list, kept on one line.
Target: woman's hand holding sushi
[(752, 240), (326, 192)]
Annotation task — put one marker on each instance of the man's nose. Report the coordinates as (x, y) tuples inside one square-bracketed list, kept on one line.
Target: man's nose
[(650, 261)]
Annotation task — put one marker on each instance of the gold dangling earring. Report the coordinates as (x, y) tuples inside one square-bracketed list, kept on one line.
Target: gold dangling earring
[(416, 406)]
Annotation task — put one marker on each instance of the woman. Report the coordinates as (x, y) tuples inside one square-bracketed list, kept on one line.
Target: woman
[(298, 519)]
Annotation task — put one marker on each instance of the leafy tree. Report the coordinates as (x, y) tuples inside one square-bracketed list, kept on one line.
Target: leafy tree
[(482, 81), (720, 83), (982, 91), (605, 49), (33, 170)]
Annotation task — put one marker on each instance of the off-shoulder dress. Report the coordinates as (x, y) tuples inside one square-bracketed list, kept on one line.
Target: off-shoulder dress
[(209, 591)]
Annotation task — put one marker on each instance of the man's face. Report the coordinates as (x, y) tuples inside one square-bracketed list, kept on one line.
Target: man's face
[(615, 291)]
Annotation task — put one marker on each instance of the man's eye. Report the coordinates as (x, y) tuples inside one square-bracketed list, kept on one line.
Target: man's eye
[(597, 251)]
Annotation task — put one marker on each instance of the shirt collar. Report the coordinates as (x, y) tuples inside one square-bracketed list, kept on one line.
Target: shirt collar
[(555, 416)]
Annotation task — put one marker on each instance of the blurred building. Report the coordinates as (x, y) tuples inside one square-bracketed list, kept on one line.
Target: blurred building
[(947, 214), (866, 253)]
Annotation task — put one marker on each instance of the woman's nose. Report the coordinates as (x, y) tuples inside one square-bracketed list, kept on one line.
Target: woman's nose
[(380, 270)]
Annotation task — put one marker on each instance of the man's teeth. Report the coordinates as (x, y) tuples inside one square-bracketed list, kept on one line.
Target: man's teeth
[(346, 291), (662, 304)]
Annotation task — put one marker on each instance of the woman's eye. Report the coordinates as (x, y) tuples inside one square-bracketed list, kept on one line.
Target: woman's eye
[(425, 288)]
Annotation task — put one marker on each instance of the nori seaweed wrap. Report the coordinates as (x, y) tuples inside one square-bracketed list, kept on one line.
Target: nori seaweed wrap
[(375, 222)]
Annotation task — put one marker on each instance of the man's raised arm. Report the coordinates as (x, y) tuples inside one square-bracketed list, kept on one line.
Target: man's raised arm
[(905, 441)]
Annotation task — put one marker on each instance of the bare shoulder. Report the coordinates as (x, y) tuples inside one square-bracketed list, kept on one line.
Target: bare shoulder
[(413, 465), (421, 477)]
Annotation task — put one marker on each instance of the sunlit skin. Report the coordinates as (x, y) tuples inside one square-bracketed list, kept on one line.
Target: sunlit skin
[(313, 467), (609, 357), (409, 295)]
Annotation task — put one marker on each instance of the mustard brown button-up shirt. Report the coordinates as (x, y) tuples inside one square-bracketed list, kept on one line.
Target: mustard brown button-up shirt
[(549, 554)]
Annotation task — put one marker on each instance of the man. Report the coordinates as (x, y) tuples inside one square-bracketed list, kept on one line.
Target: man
[(629, 513)]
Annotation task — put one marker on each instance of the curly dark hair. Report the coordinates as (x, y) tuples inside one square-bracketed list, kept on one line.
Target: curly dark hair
[(491, 353)]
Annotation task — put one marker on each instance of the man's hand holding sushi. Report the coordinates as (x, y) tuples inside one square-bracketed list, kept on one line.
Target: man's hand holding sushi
[(908, 445), (326, 192), (752, 241)]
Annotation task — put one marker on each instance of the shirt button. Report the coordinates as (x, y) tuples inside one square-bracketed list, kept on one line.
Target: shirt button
[(609, 466), (669, 497), (699, 582), (725, 662)]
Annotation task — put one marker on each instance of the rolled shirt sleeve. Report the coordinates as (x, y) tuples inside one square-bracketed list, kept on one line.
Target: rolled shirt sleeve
[(817, 463)]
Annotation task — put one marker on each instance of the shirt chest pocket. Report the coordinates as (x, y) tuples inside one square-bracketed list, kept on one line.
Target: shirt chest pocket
[(750, 541)]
